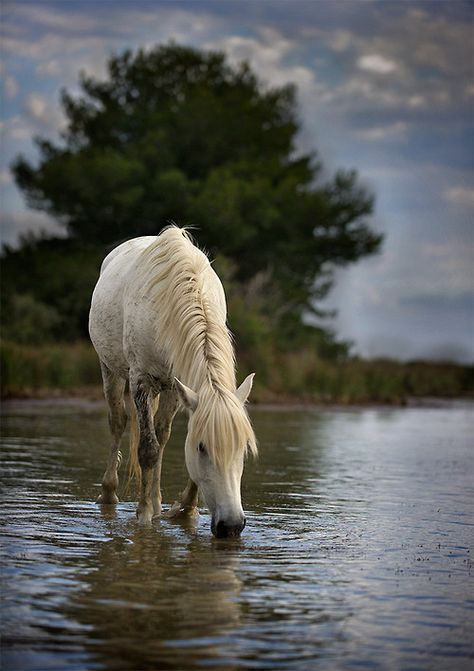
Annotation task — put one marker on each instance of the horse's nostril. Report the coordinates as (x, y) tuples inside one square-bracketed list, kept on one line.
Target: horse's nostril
[(224, 530), (221, 529)]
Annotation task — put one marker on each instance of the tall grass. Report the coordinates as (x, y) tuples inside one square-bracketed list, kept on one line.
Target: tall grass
[(28, 370), (281, 376)]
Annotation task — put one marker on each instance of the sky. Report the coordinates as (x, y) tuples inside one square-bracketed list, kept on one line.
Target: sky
[(384, 87)]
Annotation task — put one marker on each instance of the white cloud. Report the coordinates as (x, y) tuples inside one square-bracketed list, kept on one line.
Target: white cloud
[(267, 52), (16, 128), (409, 61), (448, 268), (10, 86), (5, 177), (416, 101), (18, 223), (45, 115), (66, 43), (62, 53), (393, 131), (52, 18), (460, 195), (270, 56), (341, 40), (50, 68), (376, 63), (36, 106), (362, 92)]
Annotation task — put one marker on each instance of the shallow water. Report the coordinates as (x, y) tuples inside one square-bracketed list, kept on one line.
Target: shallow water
[(357, 551)]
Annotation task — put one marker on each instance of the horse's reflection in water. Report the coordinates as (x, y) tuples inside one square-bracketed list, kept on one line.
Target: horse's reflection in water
[(158, 598)]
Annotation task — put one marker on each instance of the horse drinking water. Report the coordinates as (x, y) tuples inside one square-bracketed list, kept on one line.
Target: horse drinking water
[(158, 319)]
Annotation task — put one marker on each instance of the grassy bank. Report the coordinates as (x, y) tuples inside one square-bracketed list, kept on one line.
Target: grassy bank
[(67, 369), (30, 371)]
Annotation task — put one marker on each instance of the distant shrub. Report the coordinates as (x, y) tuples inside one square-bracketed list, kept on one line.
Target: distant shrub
[(27, 320)]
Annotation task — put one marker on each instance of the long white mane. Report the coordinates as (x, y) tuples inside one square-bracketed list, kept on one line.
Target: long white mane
[(189, 303)]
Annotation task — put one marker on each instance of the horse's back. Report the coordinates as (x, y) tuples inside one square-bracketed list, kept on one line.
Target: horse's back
[(128, 250), (158, 290), (135, 295)]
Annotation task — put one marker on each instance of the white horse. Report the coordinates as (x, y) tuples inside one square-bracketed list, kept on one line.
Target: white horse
[(158, 319)]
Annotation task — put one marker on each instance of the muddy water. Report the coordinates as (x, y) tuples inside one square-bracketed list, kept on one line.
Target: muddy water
[(357, 552)]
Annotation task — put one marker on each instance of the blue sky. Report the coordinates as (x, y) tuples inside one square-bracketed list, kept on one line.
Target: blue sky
[(384, 87)]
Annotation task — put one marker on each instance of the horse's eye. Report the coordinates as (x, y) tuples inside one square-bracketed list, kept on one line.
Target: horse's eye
[(201, 448)]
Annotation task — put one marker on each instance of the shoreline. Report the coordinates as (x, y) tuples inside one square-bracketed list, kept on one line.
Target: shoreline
[(92, 397)]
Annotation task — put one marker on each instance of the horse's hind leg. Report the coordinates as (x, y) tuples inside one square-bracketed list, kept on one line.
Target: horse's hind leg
[(163, 419), (113, 390)]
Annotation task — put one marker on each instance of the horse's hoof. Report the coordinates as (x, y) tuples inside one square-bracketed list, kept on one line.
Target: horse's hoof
[(107, 498), (144, 516), (178, 510)]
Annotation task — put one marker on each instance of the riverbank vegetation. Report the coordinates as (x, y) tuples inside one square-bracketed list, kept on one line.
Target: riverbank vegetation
[(71, 369)]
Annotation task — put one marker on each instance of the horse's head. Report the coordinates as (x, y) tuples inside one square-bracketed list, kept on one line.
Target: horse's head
[(219, 435)]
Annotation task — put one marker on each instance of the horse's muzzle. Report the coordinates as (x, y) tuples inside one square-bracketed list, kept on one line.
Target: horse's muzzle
[(224, 530)]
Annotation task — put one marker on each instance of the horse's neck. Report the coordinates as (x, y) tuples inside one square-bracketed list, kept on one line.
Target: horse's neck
[(189, 302), (211, 367)]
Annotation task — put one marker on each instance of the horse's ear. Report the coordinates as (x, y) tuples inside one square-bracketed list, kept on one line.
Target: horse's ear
[(188, 397), (245, 388)]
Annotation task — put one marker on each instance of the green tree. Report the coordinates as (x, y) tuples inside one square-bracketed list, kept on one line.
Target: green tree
[(179, 134), (46, 288)]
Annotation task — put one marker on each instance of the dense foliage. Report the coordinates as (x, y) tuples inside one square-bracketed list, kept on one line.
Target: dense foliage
[(178, 134)]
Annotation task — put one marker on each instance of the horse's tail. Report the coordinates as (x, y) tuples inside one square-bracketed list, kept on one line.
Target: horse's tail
[(134, 470)]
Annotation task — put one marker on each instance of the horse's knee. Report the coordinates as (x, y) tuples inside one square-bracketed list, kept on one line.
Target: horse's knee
[(148, 454), (164, 418)]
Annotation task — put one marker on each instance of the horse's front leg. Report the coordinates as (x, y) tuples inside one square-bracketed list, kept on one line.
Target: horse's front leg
[(186, 504), (149, 450), (163, 419)]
